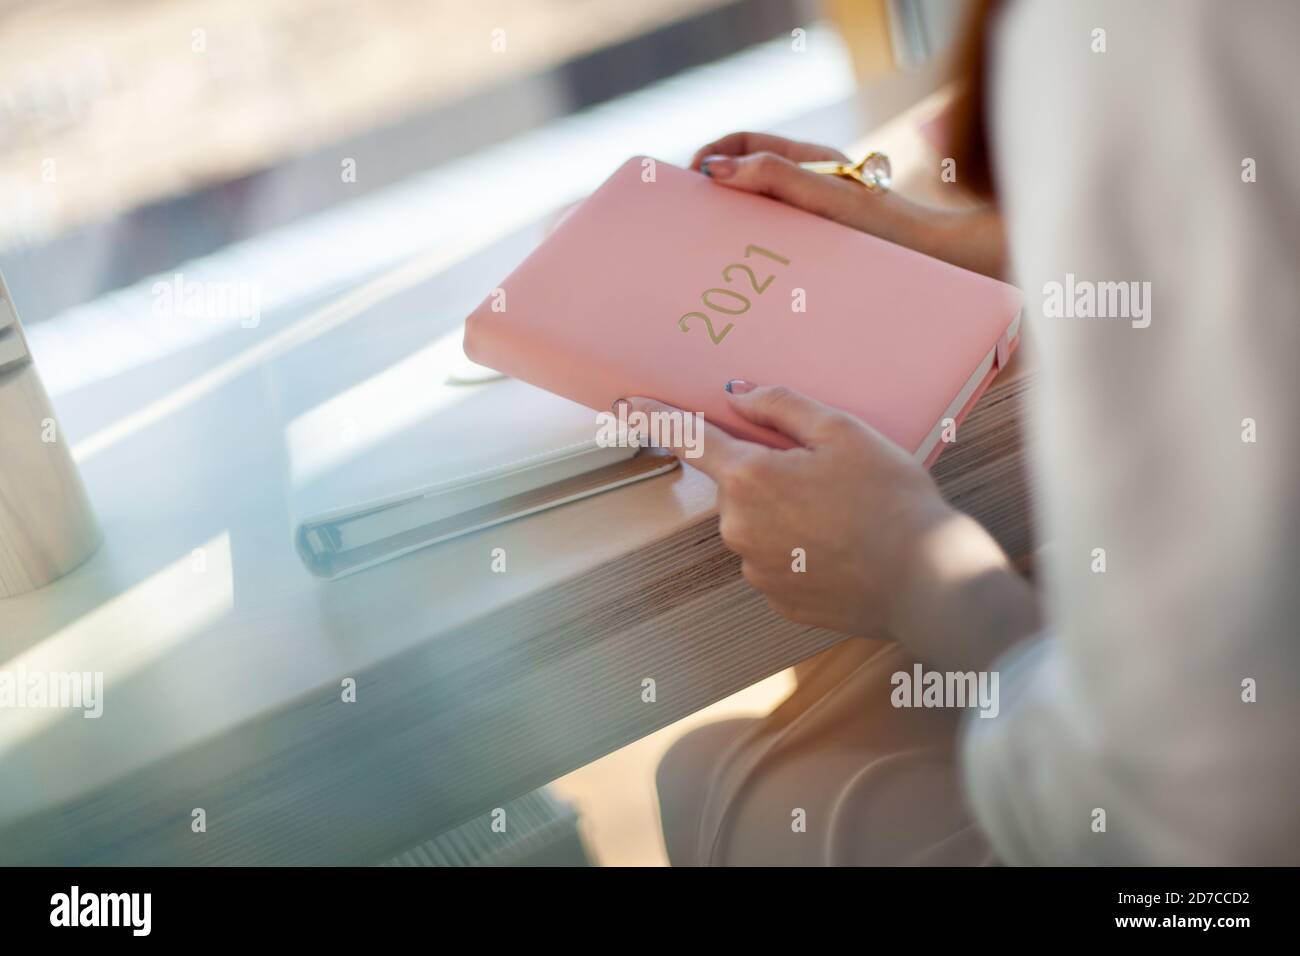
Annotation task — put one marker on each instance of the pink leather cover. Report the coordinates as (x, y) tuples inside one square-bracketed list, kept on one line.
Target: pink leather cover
[(596, 312)]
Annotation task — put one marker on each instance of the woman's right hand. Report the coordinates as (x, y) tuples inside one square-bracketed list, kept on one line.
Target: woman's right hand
[(769, 165)]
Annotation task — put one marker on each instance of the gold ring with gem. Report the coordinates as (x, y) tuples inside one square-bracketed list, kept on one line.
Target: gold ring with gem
[(872, 171)]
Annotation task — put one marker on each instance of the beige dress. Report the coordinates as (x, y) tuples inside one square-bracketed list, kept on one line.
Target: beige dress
[(834, 776), (1167, 692)]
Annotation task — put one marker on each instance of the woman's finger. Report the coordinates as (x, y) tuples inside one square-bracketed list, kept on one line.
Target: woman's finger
[(782, 409), (771, 175), (742, 144)]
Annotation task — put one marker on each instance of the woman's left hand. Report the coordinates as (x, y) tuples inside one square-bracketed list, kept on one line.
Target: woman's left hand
[(828, 530)]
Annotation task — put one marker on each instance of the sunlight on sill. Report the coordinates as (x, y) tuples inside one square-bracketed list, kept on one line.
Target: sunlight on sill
[(358, 418), (129, 632), (318, 323)]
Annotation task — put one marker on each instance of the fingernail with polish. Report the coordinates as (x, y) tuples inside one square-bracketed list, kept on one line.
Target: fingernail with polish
[(718, 167), (738, 386)]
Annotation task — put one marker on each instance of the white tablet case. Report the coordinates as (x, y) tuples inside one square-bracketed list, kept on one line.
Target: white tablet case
[(425, 448)]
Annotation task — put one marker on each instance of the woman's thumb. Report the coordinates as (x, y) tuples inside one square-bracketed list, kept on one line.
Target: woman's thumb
[(783, 409)]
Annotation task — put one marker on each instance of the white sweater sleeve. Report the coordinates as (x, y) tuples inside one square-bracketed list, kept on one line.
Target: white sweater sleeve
[(1168, 694)]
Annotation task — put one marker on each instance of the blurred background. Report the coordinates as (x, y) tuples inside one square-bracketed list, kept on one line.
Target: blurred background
[(304, 146), (138, 134)]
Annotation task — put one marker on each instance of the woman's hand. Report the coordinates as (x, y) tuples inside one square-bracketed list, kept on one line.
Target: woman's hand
[(848, 532), (769, 165), (850, 500)]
